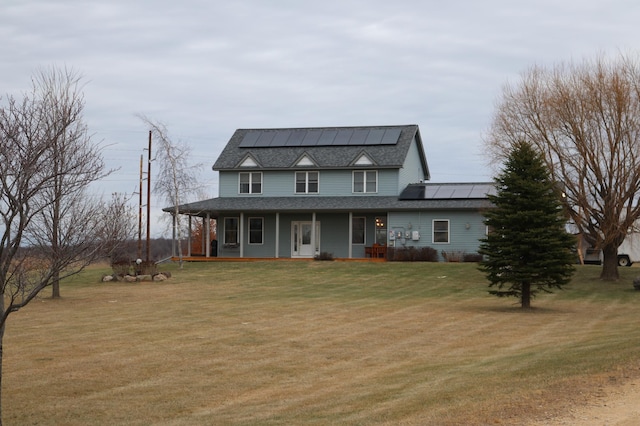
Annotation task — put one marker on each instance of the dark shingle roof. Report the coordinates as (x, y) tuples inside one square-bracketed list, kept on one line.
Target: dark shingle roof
[(216, 206), (384, 154)]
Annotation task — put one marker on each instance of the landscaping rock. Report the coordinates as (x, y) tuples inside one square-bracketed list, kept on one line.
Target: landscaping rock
[(159, 277)]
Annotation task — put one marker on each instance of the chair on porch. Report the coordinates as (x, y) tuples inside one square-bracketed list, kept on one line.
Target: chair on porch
[(376, 251)]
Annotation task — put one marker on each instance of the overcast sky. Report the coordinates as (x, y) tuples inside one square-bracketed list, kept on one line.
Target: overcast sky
[(207, 67)]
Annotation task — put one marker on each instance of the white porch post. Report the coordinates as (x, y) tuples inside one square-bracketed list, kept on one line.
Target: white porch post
[(313, 234), (350, 235), (189, 238), (173, 236), (207, 233), (241, 236), (277, 254)]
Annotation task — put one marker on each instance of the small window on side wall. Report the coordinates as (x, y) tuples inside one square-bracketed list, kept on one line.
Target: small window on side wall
[(441, 231)]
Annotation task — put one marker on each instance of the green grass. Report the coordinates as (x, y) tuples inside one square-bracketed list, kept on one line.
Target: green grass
[(314, 343)]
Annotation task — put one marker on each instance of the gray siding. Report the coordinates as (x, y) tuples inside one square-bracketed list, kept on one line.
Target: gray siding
[(412, 170), (465, 229), (280, 183)]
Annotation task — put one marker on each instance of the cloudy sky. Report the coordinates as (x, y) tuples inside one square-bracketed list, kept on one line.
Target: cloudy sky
[(207, 67)]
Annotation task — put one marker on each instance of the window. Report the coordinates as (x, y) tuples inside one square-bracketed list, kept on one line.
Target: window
[(307, 182), (231, 231), (365, 181), (250, 183), (441, 231), (358, 230), (256, 230)]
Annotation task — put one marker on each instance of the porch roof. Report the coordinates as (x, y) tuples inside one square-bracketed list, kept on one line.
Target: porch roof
[(217, 206)]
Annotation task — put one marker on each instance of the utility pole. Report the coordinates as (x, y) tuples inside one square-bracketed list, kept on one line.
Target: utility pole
[(149, 201), (140, 215)]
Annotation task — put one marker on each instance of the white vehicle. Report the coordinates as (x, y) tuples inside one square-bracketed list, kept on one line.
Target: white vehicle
[(628, 252)]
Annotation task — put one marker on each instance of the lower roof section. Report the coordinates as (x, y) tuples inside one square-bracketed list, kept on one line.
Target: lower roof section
[(224, 205)]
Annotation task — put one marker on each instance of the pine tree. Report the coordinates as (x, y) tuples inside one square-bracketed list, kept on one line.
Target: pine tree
[(527, 249)]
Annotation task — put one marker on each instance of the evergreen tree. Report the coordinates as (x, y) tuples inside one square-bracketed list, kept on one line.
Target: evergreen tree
[(527, 249)]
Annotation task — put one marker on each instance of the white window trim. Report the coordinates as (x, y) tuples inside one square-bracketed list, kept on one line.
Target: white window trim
[(261, 231), (250, 183), (306, 182), (364, 182), (433, 231)]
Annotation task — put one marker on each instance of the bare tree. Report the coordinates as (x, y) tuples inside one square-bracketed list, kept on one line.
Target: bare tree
[(585, 119), (74, 163), (119, 223), (176, 179), (42, 191)]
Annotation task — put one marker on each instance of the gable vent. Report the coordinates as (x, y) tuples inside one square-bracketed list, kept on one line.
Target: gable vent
[(305, 161), (364, 160), (249, 162)]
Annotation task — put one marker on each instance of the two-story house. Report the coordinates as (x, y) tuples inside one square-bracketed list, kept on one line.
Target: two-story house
[(294, 193)]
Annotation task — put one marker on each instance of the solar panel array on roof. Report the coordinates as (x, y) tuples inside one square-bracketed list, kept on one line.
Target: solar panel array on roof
[(319, 137), (446, 191)]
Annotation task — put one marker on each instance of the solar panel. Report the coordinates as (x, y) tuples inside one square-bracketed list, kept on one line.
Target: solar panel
[(390, 137), (320, 137), (359, 136), (265, 139), (311, 138), (281, 138), (296, 138), (374, 137), (461, 191), (327, 137), (249, 139), (343, 137)]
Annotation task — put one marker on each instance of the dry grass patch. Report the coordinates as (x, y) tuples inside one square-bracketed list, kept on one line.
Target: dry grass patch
[(313, 343)]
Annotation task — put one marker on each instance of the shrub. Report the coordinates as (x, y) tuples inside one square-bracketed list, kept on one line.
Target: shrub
[(324, 256), (472, 257), (121, 267), (453, 256), (412, 254)]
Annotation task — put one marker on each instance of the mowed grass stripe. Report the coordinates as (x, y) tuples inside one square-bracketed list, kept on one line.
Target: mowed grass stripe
[(313, 343)]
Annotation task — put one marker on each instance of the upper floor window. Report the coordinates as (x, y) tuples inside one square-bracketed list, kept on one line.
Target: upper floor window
[(441, 231), (307, 182), (250, 183), (365, 181)]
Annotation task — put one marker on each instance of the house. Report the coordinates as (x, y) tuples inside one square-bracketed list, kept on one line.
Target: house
[(347, 191)]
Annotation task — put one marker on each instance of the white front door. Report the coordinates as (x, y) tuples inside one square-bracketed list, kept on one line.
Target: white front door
[(301, 239)]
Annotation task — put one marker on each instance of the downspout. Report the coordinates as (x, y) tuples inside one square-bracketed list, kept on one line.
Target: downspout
[(313, 234), (277, 248), (350, 235), (241, 231)]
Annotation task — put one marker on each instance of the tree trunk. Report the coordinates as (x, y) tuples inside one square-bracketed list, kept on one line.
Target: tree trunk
[(55, 285), (2, 327), (610, 263), (526, 295)]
